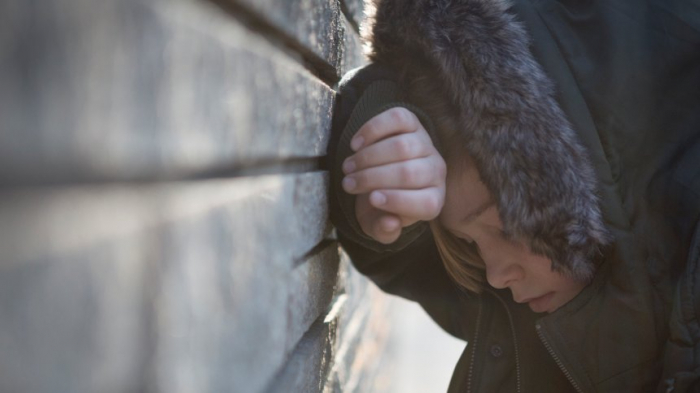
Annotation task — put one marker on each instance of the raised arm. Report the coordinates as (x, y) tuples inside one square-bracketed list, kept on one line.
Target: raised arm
[(396, 174), (387, 180)]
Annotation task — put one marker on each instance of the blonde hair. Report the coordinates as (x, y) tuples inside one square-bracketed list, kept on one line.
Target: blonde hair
[(461, 259)]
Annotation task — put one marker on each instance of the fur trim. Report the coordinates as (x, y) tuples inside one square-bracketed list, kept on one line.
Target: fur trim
[(475, 55)]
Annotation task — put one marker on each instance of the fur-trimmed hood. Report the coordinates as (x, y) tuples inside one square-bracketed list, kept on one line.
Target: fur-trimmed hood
[(472, 57)]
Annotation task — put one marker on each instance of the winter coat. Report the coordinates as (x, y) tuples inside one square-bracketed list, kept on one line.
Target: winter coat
[(608, 90)]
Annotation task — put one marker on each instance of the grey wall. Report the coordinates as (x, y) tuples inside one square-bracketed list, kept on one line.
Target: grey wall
[(163, 215)]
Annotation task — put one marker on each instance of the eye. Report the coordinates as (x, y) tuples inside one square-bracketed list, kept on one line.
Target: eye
[(472, 245), (497, 230), (467, 239)]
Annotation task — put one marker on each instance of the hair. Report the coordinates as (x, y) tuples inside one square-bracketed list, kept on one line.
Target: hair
[(472, 61), (461, 259)]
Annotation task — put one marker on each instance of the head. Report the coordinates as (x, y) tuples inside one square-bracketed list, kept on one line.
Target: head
[(469, 232), (486, 95), (474, 249)]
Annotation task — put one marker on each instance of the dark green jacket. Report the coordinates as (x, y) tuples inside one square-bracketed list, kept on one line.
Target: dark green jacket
[(627, 77)]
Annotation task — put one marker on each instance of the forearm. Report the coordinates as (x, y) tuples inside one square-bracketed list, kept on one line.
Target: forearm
[(363, 96), (410, 266)]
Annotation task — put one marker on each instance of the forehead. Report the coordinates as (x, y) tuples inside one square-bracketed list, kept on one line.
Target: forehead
[(465, 192)]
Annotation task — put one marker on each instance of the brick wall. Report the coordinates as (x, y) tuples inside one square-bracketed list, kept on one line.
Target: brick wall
[(163, 217)]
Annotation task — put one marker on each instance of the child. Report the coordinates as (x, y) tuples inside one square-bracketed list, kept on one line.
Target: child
[(553, 249)]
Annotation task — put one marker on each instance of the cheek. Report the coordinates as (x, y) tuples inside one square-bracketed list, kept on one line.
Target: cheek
[(543, 275), (563, 284)]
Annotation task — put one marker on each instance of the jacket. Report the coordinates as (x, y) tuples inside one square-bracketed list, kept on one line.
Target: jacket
[(617, 84)]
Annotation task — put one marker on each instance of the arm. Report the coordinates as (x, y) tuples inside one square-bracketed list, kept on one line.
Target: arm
[(388, 240)]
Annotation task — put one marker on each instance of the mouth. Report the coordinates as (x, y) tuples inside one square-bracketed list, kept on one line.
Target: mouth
[(538, 304)]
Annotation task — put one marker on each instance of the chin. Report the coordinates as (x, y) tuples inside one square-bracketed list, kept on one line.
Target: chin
[(546, 303)]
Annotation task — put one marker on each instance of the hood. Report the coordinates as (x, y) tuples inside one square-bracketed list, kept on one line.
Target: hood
[(467, 65)]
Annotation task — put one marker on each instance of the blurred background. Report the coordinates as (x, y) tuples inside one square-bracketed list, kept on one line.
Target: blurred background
[(163, 216), (425, 355)]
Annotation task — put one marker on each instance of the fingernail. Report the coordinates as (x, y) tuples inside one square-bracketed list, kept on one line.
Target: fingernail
[(378, 198), (357, 142), (349, 184), (349, 165)]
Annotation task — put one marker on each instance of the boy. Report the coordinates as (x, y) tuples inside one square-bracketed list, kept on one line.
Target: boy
[(521, 205)]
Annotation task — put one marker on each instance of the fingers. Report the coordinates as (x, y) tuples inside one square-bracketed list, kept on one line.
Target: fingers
[(386, 229), (410, 205), (414, 174), (390, 122), (379, 225), (396, 173), (382, 227), (393, 149)]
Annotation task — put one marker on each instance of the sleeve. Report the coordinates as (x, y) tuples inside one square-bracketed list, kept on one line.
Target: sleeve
[(411, 266)]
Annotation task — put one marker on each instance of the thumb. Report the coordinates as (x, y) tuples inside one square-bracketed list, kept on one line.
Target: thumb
[(375, 223)]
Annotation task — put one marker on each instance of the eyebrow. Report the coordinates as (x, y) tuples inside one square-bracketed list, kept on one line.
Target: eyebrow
[(477, 212)]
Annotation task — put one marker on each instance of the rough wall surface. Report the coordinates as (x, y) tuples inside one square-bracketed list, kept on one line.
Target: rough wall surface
[(163, 217)]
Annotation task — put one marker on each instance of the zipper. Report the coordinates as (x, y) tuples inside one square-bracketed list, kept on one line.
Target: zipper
[(473, 344), (515, 341), (517, 353), (540, 332)]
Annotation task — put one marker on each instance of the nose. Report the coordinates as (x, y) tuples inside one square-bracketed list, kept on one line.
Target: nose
[(502, 266), (502, 276)]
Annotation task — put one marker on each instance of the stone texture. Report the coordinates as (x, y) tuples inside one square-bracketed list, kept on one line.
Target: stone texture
[(313, 24), (194, 286), (235, 296), (78, 321), (307, 369), (360, 363), (119, 271), (353, 56), (345, 350), (143, 89), (355, 10)]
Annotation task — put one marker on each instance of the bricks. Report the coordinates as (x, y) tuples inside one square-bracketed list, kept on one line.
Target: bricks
[(309, 365), (238, 292), (356, 10), (163, 207), (171, 276), (353, 56), (361, 362), (312, 24), (147, 89), (77, 321)]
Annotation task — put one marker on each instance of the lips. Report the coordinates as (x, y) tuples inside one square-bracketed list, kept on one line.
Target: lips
[(538, 304)]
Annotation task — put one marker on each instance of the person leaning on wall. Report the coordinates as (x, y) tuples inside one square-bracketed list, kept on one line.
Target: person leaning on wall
[(530, 174)]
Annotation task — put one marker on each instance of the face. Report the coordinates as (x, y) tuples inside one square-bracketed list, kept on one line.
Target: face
[(470, 214)]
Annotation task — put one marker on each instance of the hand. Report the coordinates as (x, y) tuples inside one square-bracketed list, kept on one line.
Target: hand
[(396, 173)]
